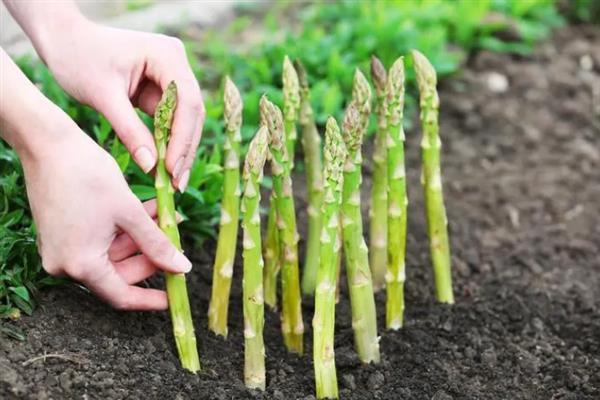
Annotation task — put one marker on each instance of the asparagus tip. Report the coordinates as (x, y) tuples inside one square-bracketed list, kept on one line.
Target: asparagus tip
[(272, 118), (257, 152), (301, 72), (291, 89), (233, 105), (361, 91), (426, 76), (378, 74), (166, 108), (335, 152), (351, 127)]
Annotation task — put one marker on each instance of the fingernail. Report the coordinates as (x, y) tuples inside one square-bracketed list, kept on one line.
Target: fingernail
[(181, 262), (178, 167), (144, 159), (183, 181)]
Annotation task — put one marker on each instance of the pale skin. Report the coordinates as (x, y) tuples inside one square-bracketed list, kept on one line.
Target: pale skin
[(90, 225)]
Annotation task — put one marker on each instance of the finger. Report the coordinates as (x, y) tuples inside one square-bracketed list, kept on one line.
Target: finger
[(148, 97), (185, 133), (124, 246), (135, 269), (150, 239), (129, 127), (189, 114), (181, 182), (107, 284)]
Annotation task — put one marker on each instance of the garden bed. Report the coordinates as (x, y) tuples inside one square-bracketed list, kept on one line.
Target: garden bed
[(522, 181)]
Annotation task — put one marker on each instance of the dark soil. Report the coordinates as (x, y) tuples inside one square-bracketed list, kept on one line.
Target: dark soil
[(522, 174)]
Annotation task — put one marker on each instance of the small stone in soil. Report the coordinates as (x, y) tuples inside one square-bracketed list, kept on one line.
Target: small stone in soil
[(376, 380), (349, 381), (441, 395), (489, 358)]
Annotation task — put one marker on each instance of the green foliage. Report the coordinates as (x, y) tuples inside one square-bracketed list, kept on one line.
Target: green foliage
[(584, 10), (335, 37), (20, 267)]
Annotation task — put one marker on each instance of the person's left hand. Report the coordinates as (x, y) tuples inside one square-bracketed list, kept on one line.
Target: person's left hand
[(115, 70)]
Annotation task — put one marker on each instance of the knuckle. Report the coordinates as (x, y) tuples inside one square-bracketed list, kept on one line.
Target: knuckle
[(175, 44), (161, 249), (122, 304)]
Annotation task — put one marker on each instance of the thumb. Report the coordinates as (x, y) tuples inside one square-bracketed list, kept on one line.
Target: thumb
[(119, 111), (151, 241)]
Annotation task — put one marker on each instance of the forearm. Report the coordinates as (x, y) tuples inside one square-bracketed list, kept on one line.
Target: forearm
[(42, 20), (25, 113)]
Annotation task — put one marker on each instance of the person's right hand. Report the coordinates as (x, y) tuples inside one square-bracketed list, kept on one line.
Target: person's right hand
[(91, 226)]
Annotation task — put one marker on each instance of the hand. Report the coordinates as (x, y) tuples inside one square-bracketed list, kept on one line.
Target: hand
[(90, 225), (114, 70)]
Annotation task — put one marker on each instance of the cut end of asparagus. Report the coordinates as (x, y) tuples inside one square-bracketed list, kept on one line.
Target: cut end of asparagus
[(165, 110), (233, 106), (257, 153), (426, 76), (361, 92), (334, 154), (352, 128), (291, 90), (394, 101), (379, 75), (272, 118)]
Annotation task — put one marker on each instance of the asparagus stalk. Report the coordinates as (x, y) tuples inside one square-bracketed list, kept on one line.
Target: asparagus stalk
[(378, 211), (254, 348), (324, 317), (397, 200), (431, 178), (179, 306), (364, 314), (291, 317), (226, 245), (272, 261), (311, 144), (291, 105)]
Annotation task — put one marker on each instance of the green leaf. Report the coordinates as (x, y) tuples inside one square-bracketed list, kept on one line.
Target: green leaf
[(20, 291), (143, 192)]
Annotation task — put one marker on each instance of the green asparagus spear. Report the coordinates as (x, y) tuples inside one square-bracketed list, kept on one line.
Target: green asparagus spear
[(311, 144), (378, 211), (431, 178), (272, 261), (291, 105), (226, 245), (364, 315), (254, 348), (291, 318), (397, 200), (179, 306), (324, 317)]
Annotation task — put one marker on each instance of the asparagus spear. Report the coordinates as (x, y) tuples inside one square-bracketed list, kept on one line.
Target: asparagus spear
[(291, 318), (254, 348), (378, 211), (431, 178), (364, 314), (324, 317), (226, 245), (311, 144), (397, 200), (291, 105), (272, 261), (179, 306)]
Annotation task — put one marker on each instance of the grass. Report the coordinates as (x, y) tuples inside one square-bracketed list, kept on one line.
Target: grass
[(329, 39)]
